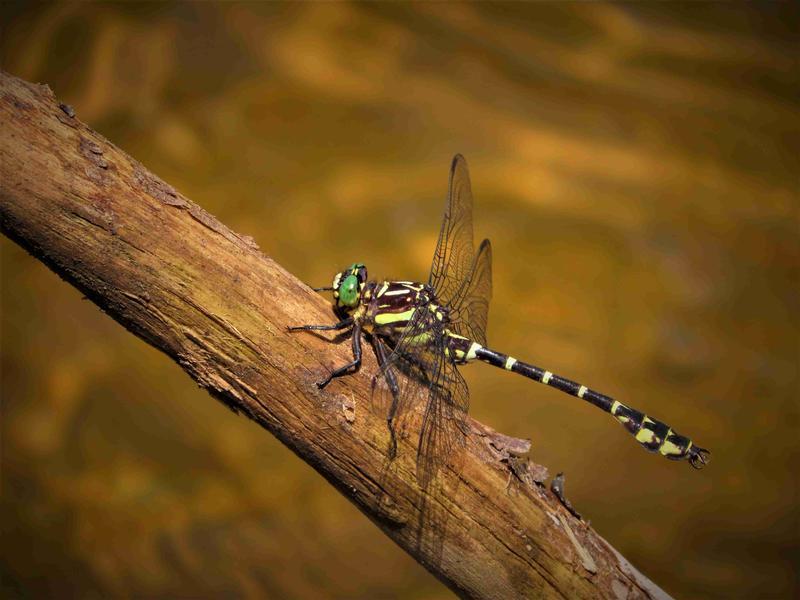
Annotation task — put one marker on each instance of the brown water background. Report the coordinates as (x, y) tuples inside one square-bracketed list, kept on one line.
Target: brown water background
[(636, 167)]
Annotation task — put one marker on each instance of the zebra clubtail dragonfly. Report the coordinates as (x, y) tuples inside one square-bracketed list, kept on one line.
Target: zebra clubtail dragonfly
[(427, 330)]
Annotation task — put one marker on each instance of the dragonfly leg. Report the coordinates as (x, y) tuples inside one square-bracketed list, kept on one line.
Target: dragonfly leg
[(391, 381), (348, 322), (343, 370)]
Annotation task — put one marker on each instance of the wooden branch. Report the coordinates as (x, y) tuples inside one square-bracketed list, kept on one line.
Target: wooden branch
[(175, 276)]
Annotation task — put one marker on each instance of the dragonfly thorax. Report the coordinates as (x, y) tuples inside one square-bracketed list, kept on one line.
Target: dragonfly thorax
[(348, 285)]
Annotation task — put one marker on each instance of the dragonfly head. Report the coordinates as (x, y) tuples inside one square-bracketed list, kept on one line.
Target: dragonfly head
[(347, 286)]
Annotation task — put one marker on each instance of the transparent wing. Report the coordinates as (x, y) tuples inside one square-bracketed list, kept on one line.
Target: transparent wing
[(444, 421), (413, 363), (453, 258), (426, 377), (429, 379), (469, 309)]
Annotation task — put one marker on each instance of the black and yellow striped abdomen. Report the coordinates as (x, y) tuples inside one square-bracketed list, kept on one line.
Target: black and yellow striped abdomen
[(652, 434)]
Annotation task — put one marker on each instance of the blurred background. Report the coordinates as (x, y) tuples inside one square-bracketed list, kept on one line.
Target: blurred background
[(636, 167)]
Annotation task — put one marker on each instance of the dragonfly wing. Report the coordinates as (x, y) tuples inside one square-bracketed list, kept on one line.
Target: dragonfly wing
[(444, 420), (429, 379), (412, 359), (454, 253), (469, 311)]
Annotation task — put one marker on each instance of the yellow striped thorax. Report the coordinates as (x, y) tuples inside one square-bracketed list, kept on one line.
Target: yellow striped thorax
[(393, 305), (348, 285)]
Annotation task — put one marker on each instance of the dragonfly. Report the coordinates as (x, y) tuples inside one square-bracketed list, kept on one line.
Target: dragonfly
[(422, 333)]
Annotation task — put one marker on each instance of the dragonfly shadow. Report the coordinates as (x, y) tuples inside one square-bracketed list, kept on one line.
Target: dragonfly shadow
[(428, 506)]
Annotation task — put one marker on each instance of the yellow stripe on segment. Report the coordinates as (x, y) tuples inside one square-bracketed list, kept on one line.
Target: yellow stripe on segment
[(582, 391), (387, 318), (614, 408), (546, 377), (416, 340), (510, 362), (645, 436), (383, 289), (668, 448), (397, 292), (473, 349)]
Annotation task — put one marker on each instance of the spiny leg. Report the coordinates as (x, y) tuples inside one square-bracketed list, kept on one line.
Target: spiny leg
[(348, 322), (352, 365), (391, 381)]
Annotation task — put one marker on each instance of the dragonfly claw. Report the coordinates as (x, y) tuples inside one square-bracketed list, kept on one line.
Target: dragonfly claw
[(699, 457)]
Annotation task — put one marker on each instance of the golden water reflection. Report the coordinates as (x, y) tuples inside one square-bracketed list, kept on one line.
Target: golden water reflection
[(635, 167)]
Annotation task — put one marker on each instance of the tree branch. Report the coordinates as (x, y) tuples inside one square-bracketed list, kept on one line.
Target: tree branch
[(207, 297)]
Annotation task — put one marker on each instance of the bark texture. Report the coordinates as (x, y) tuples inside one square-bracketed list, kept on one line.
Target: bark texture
[(211, 300)]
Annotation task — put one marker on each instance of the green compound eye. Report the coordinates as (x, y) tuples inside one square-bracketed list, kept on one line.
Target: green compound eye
[(348, 291)]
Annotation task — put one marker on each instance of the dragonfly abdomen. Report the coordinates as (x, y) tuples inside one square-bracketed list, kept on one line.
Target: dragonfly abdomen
[(651, 433)]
